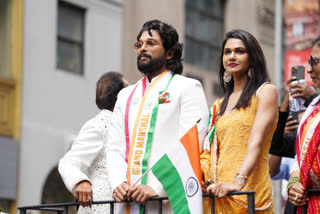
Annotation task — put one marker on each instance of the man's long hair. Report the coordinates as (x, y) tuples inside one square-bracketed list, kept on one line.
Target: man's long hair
[(170, 41), (257, 64)]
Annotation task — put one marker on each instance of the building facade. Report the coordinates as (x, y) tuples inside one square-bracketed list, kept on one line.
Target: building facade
[(55, 51), (11, 44), (201, 25)]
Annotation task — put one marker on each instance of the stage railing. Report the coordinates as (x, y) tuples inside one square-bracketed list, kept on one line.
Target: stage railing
[(63, 208)]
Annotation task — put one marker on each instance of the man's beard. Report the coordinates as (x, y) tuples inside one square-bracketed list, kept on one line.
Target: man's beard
[(153, 65)]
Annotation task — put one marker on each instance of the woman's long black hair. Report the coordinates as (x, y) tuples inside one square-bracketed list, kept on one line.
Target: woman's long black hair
[(257, 65)]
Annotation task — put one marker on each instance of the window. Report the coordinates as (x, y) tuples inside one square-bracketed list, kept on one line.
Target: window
[(5, 39), (70, 38), (204, 32)]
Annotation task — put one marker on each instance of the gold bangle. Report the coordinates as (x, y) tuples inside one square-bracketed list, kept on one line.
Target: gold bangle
[(241, 179), (245, 178), (292, 180)]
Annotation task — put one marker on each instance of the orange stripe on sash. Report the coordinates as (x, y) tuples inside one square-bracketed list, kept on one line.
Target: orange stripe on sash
[(136, 124)]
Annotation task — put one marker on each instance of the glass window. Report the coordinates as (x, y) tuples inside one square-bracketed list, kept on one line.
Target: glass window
[(5, 39), (204, 32), (70, 44), (201, 55)]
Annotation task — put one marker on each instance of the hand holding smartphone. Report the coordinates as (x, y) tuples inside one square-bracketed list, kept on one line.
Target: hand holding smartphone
[(296, 104), (291, 124)]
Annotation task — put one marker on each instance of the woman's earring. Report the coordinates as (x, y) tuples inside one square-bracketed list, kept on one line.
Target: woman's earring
[(250, 73), (227, 76)]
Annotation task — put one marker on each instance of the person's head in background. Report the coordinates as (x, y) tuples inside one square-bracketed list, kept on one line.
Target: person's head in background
[(314, 65), (108, 87)]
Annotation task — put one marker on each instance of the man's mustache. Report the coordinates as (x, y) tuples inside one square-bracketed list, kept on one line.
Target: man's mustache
[(144, 55)]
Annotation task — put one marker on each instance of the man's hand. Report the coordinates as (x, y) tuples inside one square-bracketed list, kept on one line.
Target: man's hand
[(84, 193), (120, 193), (141, 193)]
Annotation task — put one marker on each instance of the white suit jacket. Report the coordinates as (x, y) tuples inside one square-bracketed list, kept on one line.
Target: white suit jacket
[(86, 161), (187, 105)]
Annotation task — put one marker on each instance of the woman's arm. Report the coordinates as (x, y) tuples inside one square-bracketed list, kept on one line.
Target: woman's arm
[(277, 144), (265, 117), (205, 160), (274, 164)]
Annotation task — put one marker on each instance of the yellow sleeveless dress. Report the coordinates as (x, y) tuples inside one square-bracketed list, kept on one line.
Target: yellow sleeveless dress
[(232, 132)]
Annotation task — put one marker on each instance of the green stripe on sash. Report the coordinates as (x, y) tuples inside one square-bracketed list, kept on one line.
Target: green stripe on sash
[(149, 140)]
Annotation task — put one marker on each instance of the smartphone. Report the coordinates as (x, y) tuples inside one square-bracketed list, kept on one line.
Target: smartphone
[(294, 115), (298, 72)]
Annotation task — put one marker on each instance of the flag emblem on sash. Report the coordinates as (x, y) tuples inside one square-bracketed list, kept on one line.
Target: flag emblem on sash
[(164, 97)]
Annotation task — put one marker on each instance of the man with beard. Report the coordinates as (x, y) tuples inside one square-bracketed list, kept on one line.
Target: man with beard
[(151, 116)]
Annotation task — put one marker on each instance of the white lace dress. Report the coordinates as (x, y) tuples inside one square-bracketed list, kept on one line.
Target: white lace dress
[(86, 160)]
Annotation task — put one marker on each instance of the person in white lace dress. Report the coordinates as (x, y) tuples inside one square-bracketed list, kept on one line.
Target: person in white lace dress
[(84, 168)]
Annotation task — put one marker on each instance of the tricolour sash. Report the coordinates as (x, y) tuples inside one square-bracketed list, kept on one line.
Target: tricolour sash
[(127, 133), (142, 134), (211, 128), (308, 157)]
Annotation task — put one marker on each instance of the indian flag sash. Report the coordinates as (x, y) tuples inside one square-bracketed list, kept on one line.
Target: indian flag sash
[(308, 156), (211, 128), (142, 132), (179, 172)]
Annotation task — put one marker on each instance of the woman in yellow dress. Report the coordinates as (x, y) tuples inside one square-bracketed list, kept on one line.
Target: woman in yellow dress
[(235, 155)]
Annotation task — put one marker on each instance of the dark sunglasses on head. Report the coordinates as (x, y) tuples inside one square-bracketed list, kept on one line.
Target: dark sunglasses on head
[(313, 61)]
